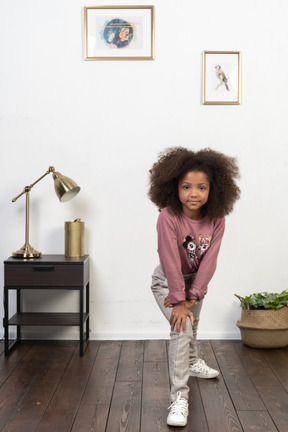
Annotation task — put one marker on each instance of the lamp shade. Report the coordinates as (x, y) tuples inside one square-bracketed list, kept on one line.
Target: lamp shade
[(65, 187)]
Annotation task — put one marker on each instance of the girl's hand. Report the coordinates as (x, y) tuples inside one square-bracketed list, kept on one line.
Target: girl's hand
[(190, 303), (179, 316), (167, 302)]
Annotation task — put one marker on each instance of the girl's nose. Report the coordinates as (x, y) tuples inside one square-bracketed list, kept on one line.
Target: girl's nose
[(193, 192)]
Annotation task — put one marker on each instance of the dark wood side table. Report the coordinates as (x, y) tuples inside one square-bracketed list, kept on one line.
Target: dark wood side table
[(50, 272)]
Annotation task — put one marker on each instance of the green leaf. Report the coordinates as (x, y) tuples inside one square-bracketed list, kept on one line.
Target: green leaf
[(265, 300)]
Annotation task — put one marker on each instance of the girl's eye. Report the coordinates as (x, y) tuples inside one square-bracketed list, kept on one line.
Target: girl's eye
[(186, 187)]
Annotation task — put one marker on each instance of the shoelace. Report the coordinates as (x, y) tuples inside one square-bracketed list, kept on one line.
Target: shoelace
[(201, 361), (200, 368), (201, 365), (179, 406)]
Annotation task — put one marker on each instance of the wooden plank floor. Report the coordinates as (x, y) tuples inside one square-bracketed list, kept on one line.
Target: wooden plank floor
[(123, 386)]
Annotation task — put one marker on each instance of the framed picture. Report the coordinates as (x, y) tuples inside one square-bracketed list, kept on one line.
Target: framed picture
[(119, 32), (221, 77)]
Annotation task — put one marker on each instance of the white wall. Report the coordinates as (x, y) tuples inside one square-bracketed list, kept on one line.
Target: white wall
[(104, 123)]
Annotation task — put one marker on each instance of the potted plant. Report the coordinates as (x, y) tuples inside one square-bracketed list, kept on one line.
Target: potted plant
[(264, 319)]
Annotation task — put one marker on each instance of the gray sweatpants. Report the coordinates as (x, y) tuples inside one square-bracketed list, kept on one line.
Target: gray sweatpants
[(183, 349)]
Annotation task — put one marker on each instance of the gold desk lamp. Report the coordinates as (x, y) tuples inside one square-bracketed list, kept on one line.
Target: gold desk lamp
[(65, 189)]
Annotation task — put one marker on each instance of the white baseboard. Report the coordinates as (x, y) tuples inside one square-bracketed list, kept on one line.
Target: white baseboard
[(60, 333), (160, 335)]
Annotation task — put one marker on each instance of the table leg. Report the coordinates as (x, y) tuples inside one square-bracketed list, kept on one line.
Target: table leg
[(5, 321), (81, 324), (87, 311), (18, 311)]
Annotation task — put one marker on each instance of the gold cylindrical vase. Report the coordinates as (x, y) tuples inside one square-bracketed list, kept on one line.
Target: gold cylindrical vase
[(74, 238)]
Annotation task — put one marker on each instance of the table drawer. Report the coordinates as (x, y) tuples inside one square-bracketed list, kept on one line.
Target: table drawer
[(44, 275)]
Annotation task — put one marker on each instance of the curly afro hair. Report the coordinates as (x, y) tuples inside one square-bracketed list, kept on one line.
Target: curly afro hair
[(175, 162)]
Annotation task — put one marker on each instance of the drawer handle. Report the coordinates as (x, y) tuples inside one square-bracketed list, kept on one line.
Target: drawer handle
[(43, 268)]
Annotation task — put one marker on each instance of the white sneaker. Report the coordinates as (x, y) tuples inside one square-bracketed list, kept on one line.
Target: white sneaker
[(201, 370), (178, 412)]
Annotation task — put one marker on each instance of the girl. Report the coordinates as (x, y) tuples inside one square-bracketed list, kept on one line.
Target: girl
[(194, 191)]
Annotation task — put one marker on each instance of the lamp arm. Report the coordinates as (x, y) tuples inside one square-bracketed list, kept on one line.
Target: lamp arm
[(28, 188)]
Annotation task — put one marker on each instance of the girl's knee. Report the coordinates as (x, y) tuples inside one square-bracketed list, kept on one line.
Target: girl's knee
[(188, 331), (189, 326)]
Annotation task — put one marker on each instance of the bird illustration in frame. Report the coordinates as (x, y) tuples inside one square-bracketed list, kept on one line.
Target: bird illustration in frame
[(222, 77)]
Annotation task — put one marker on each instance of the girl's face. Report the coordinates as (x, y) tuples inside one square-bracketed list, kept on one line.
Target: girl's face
[(193, 192)]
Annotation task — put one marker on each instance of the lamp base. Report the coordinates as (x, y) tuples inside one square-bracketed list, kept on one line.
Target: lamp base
[(26, 251)]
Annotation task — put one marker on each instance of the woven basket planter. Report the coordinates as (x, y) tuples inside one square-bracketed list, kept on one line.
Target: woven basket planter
[(264, 328)]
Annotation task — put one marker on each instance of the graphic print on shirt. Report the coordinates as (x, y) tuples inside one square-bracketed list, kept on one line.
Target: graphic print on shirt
[(195, 250), (204, 243), (190, 244)]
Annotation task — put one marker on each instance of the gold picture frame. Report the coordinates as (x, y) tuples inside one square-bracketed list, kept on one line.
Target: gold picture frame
[(221, 77), (119, 32)]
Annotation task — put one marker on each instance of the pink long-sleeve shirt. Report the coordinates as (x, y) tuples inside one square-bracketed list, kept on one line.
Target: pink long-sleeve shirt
[(188, 246)]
